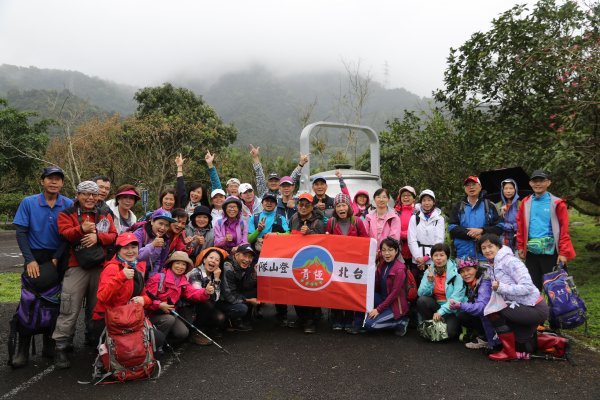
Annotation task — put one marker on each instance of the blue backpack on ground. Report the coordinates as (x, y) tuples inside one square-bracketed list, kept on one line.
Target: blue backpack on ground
[(567, 309)]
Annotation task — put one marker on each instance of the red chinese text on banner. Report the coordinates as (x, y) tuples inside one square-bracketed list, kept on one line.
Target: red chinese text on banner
[(317, 270)]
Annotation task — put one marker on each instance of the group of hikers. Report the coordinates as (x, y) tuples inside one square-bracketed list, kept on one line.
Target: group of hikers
[(196, 255)]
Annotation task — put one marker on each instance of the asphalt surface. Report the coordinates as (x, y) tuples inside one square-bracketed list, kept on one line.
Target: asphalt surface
[(272, 363), (10, 255)]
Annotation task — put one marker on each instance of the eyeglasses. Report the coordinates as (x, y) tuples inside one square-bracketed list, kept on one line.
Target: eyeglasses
[(89, 194), (304, 205)]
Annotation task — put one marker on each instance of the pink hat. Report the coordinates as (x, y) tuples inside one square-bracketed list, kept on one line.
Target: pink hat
[(129, 192)]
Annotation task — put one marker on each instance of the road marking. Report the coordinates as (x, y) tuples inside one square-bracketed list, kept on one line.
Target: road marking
[(13, 255), (30, 382)]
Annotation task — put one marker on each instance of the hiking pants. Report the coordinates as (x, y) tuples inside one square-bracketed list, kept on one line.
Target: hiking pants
[(427, 306), (538, 265), (77, 284), (522, 320), (170, 325)]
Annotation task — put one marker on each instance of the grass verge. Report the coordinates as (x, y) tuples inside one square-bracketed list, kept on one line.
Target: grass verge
[(10, 287)]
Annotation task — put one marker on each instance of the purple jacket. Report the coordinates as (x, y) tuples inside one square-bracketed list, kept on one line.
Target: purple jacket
[(238, 228), (396, 298), (155, 257), (477, 299), (515, 281)]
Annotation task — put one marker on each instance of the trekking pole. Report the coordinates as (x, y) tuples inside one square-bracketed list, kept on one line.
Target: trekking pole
[(190, 325)]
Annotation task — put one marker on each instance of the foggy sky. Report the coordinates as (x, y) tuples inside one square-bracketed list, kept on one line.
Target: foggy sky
[(147, 42)]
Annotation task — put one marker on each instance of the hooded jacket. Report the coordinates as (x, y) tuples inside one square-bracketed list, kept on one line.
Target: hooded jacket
[(314, 222), (428, 232), (509, 217), (455, 288), (357, 210), (559, 219), (515, 282), (155, 257)]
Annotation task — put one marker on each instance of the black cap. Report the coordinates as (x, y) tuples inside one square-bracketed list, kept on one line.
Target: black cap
[(200, 210), (245, 248), (269, 196), (273, 175), (52, 170), (538, 173)]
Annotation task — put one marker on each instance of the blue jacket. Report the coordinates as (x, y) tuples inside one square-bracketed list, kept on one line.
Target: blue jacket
[(465, 216), (455, 288), (271, 218)]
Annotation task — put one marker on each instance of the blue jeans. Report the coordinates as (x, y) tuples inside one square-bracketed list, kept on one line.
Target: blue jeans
[(233, 311)]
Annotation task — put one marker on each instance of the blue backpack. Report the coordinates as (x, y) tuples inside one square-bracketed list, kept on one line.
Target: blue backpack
[(567, 309)]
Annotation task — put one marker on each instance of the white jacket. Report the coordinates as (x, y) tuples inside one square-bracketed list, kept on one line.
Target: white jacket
[(117, 216), (429, 232)]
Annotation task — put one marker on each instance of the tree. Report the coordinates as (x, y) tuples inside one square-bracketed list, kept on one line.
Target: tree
[(530, 87), (22, 143), (169, 121)]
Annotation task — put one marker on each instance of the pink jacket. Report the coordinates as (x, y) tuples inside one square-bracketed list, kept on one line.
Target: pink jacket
[(391, 226)]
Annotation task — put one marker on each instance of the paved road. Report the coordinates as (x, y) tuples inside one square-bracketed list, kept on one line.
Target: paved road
[(274, 363), (10, 255)]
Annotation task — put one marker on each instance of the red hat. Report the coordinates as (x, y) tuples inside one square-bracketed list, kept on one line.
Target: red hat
[(472, 178), (126, 238), (129, 192), (306, 196)]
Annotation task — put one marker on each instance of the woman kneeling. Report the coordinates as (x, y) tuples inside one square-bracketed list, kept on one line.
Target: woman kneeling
[(516, 324)]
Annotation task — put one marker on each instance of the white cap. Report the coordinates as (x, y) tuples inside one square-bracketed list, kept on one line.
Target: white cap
[(427, 192), (216, 192), (244, 187), (233, 180)]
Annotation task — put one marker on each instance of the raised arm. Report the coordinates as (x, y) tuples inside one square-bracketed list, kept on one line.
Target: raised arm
[(215, 182), (261, 182)]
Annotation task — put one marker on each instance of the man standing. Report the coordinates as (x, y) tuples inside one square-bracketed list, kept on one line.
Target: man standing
[(543, 238), (470, 218), (286, 204), (307, 221), (41, 245), (322, 201)]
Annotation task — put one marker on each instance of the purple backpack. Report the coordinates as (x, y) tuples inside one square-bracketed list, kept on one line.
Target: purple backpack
[(567, 309), (36, 313)]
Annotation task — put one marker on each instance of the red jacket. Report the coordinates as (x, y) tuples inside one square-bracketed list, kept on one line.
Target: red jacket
[(354, 223), (114, 289), (405, 213), (70, 228), (172, 290), (176, 243), (559, 218)]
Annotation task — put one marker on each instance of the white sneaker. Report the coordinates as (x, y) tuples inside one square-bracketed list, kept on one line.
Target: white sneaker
[(479, 344)]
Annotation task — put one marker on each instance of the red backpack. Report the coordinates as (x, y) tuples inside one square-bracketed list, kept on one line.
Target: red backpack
[(126, 347), (410, 286)]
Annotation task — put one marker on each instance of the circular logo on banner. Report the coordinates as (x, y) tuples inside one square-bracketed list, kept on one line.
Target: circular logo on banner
[(312, 268)]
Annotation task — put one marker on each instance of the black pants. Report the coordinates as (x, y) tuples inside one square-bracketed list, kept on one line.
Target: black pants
[(207, 315), (308, 313), (427, 306), (472, 323), (538, 265), (522, 320)]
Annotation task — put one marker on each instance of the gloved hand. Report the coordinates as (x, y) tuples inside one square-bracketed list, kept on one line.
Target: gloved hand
[(454, 305)]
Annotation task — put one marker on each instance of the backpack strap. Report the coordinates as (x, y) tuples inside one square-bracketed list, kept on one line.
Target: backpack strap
[(161, 282), (332, 227)]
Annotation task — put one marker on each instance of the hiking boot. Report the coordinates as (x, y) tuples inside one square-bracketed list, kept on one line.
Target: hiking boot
[(61, 360), (239, 325), (401, 330), (48, 346), (200, 340), (508, 352), (310, 327), (337, 326), (282, 320), (478, 343), (296, 324), (21, 359)]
